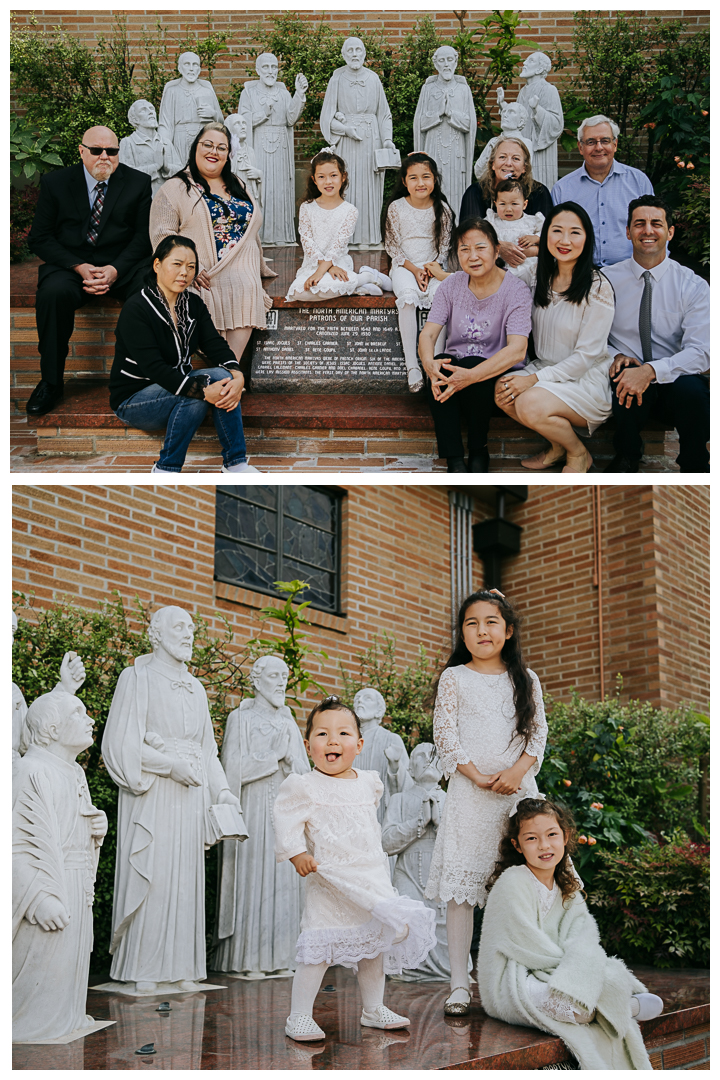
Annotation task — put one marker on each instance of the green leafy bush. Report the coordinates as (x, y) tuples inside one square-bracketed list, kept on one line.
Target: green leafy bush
[(693, 221), (23, 204), (652, 903), (30, 154)]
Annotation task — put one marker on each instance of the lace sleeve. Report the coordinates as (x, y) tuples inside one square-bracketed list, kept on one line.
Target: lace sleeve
[(290, 812), (536, 746), (310, 248), (445, 724), (554, 1003), (445, 236), (393, 236), (343, 236), (378, 786)]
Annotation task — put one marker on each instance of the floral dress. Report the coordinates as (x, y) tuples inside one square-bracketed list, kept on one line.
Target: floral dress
[(230, 219)]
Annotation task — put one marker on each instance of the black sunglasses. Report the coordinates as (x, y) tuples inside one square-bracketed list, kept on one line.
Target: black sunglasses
[(96, 151)]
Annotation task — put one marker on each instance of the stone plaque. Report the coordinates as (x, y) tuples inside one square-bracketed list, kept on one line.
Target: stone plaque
[(333, 350)]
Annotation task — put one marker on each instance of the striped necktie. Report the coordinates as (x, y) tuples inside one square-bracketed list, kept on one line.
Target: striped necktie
[(646, 317), (96, 212)]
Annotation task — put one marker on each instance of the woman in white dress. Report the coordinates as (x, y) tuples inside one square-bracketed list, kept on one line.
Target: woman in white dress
[(566, 390), (490, 730), (326, 224)]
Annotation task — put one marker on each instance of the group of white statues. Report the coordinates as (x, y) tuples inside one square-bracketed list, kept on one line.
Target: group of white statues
[(177, 797), (355, 119)]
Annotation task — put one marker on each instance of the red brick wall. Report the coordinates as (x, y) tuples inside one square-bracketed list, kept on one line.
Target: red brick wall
[(158, 543)]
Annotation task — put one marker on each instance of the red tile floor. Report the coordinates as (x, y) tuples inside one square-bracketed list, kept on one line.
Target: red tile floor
[(242, 1027)]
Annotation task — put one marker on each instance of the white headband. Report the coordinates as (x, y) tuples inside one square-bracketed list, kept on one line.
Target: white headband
[(520, 798)]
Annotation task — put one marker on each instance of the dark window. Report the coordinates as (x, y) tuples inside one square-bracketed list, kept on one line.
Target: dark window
[(268, 534)]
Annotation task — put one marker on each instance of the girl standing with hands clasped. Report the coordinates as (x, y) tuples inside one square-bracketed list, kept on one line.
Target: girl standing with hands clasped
[(416, 227), (326, 825), (326, 224), (489, 729), (541, 963)]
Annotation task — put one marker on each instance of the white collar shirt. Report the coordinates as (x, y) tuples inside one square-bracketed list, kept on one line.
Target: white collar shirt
[(679, 323)]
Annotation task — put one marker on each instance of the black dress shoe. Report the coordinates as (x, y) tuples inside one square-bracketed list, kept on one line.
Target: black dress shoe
[(480, 462), (620, 463), (456, 464), (44, 397)]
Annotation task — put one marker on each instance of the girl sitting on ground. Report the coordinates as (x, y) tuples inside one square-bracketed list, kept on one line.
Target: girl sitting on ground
[(326, 225), (540, 961), (511, 223), (326, 824), (416, 227)]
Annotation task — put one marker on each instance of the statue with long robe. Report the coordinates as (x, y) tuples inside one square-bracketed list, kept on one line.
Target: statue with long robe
[(187, 103), (260, 899), (445, 125), (356, 121), (160, 749), (271, 114), (147, 149), (383, 750), (546, 120), (57, 833)]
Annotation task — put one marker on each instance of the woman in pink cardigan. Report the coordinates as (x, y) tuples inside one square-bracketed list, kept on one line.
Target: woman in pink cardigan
[(209, 204)]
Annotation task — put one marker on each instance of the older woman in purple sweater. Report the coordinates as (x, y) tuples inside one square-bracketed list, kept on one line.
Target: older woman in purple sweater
[(485, 314)]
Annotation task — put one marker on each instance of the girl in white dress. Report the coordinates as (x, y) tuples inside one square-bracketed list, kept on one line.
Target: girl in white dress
[(326, 825), (511, 223), (566, 390), (326, 224), (489, 729), (540, 961), (416, 227)]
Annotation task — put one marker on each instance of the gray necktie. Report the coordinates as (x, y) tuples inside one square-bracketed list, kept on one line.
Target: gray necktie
[(646, 318)]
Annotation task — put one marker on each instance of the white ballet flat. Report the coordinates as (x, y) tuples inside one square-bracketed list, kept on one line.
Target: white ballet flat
[(380, 279), (649, 1006)]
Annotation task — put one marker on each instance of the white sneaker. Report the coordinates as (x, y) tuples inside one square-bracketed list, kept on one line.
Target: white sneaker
[(243, 466), (303, 1028), (415, 380), (380, 279), (155, 468), (649, 1006), (369, 290), (382, 1017)]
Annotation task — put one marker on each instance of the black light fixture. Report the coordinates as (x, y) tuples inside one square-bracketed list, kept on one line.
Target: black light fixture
[(497, 538)]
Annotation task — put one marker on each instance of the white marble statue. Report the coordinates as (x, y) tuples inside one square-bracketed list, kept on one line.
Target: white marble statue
[(260, 899), (271, 114), (56, 834), (356, 121), (445, 125), (409, 831), (513, 124), (160, 749), (187, 103), (147, 149), (383, 750), (72, 676), (242, 157), (545, 123)]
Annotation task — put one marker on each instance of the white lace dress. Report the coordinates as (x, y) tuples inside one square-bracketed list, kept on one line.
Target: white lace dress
[(409, 235), (352, 911), (325, 234), (475, 721), (571, 344)]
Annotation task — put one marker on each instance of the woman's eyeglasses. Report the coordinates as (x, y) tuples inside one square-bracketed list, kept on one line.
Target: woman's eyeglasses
[(208, 146), (96, 151)]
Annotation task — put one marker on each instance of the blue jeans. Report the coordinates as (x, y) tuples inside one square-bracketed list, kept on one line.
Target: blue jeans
[(152, 408)]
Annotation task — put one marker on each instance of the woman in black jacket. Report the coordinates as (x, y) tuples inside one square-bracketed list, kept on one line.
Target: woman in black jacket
[(153, 384)]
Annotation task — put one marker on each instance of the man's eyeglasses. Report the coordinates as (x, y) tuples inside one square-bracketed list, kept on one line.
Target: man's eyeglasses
[(96, 151), (208, 146), (597, 142)]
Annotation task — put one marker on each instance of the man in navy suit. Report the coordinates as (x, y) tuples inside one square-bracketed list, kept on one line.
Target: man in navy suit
[(91, 231)]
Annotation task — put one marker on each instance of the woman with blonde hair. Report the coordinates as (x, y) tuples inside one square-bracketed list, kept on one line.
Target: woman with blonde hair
[(210, 205), (509, 159)]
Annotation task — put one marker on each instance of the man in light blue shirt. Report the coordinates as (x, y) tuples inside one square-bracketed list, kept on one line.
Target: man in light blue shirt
[(604, 187)]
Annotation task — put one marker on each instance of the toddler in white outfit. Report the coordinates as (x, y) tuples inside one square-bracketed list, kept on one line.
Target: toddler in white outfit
[(511, 223)]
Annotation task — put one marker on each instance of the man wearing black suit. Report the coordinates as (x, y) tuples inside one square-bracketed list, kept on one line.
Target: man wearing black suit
[(91, 230)]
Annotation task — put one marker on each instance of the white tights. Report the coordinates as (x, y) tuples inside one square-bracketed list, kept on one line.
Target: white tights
[(363, 280), (308, 978), (459, 935), (407, 324)]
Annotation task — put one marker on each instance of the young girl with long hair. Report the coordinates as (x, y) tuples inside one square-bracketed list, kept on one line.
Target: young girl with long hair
[(540, 961), (489, 729), (565, 391), (326, 224), (416, 227), (326, 825)]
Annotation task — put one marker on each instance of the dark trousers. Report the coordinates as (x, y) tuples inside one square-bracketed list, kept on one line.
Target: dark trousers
[(683, 404), (59, 295), (476, 403)]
